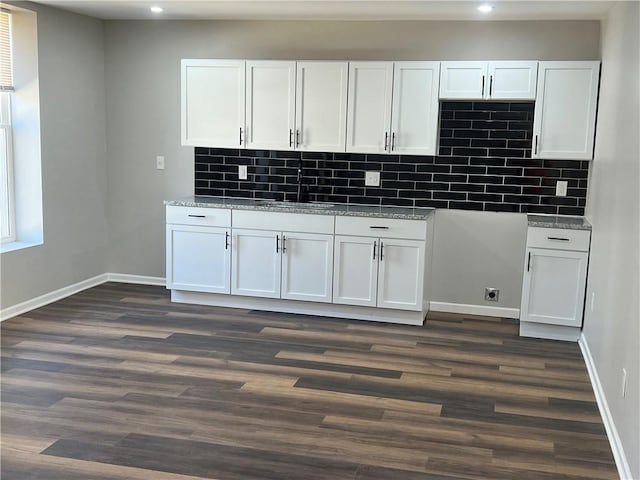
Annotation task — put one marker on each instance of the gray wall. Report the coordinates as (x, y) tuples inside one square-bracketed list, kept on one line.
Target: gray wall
[(143, 84), (612, 327), (72, 126)]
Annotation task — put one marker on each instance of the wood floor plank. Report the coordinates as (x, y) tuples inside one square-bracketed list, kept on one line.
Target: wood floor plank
[(116, 382)]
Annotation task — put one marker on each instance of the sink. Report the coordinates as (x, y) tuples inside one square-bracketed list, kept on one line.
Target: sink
[(319, 206)]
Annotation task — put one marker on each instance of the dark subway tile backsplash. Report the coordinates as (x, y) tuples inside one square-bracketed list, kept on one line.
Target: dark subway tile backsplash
[(484, 163)]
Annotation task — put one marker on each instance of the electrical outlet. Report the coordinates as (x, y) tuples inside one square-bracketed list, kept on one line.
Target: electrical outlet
[(491, 294), (624, 382), (561, 188), (159, 162), (372, 179), (242, 172)]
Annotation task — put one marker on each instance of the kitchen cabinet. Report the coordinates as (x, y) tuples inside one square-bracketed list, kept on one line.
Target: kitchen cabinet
[(213, 103), (393, 107), (321, 106), (414, 115), (198, 250), (255, 263), (318, 263), (355, 280), (369, 106), (293, 259), (503, 80), (307, 266), (372, 270), (554, 283), (565, 111), (270, 101)]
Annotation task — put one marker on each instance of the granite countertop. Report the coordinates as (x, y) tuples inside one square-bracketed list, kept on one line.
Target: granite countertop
[(352, 210), (556, 221)]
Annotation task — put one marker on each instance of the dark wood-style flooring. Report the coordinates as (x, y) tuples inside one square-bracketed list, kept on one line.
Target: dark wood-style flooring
[(119, 383)]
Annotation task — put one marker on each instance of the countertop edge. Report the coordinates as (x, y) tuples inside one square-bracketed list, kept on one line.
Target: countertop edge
[(339, 210)]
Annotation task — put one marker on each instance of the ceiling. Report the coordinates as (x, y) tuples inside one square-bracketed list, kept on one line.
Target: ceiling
[(336, 9)]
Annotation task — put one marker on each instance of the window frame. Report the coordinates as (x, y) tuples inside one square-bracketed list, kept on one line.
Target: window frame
[(7, 170)]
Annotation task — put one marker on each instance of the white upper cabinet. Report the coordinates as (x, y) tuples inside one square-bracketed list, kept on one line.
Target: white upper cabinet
[(512, 80), (369, 106), (489, 80), (271, 98), (463, 80), (565, 112), (321, 106), (213, 101), (414, 114)]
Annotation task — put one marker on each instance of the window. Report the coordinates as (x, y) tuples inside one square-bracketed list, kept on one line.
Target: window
[(7, 209)]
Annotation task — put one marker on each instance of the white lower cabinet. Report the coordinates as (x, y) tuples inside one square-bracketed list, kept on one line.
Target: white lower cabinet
[(355, 274), (335, 266), (553, 290), (307, 266), (198, 258), (379, 272), (290, 265), (255, 263), (400, 274)]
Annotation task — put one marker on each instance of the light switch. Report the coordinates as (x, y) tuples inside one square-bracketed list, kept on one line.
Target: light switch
[(372, 179), (242, 172), (561, 188), (160, 162)]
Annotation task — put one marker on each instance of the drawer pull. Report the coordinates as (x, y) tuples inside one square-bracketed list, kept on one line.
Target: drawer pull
[(381, 250), (197, 216), (529, 262), (379, 228), (277, 243), (226, 240), (560, 239), (284, 244), (375, 247)]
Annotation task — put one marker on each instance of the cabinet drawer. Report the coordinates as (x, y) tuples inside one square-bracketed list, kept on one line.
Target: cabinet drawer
[(381, 227), (213, 217), (283, 222), (559, 239)]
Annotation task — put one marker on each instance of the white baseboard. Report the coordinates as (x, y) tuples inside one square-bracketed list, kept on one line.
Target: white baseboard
[(51, 297), (137, 279), (69, 290), (624, 470), (502, 312)]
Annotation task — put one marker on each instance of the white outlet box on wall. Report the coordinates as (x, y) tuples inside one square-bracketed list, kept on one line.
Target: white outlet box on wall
[(372, 179)]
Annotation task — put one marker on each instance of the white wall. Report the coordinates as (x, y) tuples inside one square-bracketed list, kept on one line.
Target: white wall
[(72, 115), (143, 83), (612, 327)]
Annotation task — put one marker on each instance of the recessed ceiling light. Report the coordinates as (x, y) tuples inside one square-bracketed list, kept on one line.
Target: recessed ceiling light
[(485, 8), (156, 9)]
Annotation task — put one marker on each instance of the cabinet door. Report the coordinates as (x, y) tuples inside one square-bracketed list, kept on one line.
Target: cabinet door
[(255, 263), (414, 115), (271, 93), (198, 258), (307, 266), (355, 272), (369, 106), (565, 112), (213, 103), (463, 80), (321, 106), (554, 287), (401, 279), (512, 80)]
